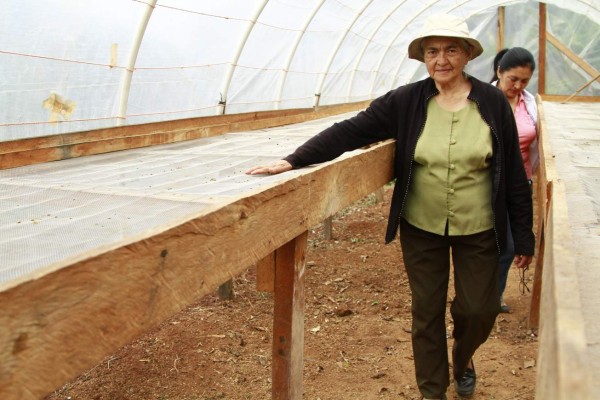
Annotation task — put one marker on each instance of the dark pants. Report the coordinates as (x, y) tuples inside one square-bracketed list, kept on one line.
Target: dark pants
[(506, 260), (474, 307)]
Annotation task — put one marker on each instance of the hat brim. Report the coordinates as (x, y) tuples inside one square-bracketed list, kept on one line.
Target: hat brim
[(416, 53)]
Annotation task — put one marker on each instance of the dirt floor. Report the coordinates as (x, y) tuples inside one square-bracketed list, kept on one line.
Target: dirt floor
[(357, 333)]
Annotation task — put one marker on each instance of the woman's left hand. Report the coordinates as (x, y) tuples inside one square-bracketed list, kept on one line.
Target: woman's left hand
[(276, 167), (523, 261)]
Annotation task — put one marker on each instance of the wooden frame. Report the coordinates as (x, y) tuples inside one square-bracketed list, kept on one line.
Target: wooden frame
[(59, 147), (66, 321), (563, 346)]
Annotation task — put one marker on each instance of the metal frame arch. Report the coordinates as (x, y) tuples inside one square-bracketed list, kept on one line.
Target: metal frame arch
[(229, 75), (334, 53), (293, 51), (450, 10), (125, 86), (384, 55), (364, 49)]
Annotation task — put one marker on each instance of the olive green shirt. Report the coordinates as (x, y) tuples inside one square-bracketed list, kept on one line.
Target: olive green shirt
[(452, 177)]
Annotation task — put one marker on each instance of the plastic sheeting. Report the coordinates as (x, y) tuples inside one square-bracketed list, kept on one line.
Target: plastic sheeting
[(73, 65)]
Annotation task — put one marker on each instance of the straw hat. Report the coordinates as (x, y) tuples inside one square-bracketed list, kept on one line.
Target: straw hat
[(445, 26)]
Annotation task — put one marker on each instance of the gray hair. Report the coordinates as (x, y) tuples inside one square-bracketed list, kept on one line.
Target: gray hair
[(463, 42)]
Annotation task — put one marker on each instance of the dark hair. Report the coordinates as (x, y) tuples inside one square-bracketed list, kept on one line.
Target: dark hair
[(511, 58)]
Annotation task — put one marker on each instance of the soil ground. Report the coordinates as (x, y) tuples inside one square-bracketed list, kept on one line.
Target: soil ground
[(357, 333)]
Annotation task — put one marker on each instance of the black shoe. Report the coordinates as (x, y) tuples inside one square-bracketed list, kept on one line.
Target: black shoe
[(465, 386), (440, 398)]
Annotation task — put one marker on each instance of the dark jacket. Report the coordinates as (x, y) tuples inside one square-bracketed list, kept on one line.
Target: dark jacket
[(400, 114)]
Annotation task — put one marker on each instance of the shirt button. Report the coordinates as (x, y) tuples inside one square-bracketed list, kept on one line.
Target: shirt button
[(454, 119), (452, 166), (450, 214), (450, 190), (452, 141)]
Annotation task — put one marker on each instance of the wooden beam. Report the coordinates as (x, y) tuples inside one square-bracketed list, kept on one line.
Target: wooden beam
[(65, 321), (288, 320), (581, 88), (562, 334), (22, 152), (542, 195), (542, 50), (563, 98), (581, 63), (501, 14)]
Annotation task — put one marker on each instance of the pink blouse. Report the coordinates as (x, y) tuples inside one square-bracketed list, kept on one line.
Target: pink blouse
[(527, 132)]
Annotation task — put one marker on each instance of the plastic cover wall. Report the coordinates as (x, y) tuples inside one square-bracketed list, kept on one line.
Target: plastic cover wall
[(64, 64)]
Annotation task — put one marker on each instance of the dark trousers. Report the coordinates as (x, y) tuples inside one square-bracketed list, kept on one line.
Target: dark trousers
[(506, 260), (473, 309)]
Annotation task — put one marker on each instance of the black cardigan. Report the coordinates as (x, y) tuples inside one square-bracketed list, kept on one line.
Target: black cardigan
[(400, 114)]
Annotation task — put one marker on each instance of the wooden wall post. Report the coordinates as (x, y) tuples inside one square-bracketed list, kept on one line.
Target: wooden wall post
[(542, 51), (328, 228), (500, 44), (288, 320)]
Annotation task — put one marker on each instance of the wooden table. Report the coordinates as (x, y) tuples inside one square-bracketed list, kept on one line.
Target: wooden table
[(96, 250)]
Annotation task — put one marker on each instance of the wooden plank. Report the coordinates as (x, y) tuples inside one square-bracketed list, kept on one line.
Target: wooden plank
[(588, 83), (59, 147), (562, 338), (563, 98), (533, 319), (542, 50), (181, 125), (584, 65), (66, 321), (541, 209), (288, 320), (563, 347)]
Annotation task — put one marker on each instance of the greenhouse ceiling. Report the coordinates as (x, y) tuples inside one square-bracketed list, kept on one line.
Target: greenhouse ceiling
[(77, 65)]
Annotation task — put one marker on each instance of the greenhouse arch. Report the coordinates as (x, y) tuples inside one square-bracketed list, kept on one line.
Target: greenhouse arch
[(92, 90)]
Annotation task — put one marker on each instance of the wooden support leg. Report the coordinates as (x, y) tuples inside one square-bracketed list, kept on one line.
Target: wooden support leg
[(226, 290), (327, 228), (265, 274), (379, 193), (288, 320)]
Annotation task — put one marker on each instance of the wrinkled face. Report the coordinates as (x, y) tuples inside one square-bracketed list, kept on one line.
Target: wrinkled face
[(445, 58), (513, 81)]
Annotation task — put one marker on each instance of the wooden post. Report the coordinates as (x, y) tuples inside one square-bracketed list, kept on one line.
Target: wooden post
[(500, 44), (226, 290), (288, 320), (265, 274), (542, 51), (379, 193), (327, 228), (533, 321)]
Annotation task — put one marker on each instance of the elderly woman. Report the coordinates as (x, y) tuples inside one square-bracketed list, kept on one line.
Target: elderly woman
[(459, 176)]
